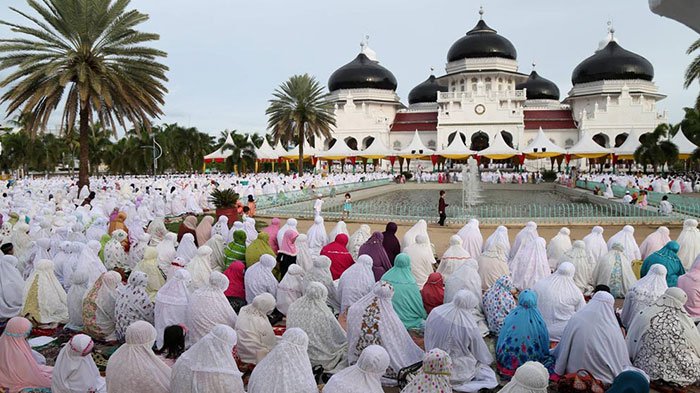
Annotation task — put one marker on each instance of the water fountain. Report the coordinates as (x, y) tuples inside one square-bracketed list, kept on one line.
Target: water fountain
[(471, 184)]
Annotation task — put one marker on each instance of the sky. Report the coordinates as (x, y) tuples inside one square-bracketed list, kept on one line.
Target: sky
[(226, 57)]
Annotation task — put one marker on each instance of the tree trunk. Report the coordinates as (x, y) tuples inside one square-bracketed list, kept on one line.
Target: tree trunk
[(300, 168), (84, 156)]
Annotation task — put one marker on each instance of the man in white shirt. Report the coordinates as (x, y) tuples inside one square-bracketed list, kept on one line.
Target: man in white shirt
[(665, 206), (317, 205), (627, 198)]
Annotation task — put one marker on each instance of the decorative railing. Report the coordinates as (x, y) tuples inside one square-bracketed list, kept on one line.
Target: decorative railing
[(294, 197)]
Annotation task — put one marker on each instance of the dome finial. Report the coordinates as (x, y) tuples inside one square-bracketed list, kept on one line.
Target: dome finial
[(481, 12), (432, 69), (611, 29), (366, 50), (533, 64)]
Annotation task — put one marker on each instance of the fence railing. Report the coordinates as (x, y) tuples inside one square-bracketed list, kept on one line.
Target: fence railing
[(294, 197), (681, 204)]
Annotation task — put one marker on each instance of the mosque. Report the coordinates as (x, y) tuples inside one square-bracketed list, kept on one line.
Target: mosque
[(483, 93)]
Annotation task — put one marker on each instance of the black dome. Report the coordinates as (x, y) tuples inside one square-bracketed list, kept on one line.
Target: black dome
[(539, 88), (362, 73), (481, 41), (613, 62), (426, 91)]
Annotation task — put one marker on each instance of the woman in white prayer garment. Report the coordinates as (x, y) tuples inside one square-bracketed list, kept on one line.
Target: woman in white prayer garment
[(500, 235), (171, 304), (255, 335), (287, 368), (419, 228), (209, 366), (689, 241), (654, 242), (75, 371), (200, 268), (559, 299), (526, 235), (290, 224), (209, 307), (340, 227), (362, 377), (422, 259), (304, 257), (327, 340), (290, 288), (187, 248), (472, 240), (595, 243), (317, 237), (559, 244), (584, 264), (626, 238), (531, 377), (74, 300), (530, 263), (355, 282), (615, 271), (45, 301), (493, 264), (644, 293), (11, 288), (134, 367), (664, 341), (452, 327), (357, 239), (453, 258), (373, 321), (260, 279), (592, 340)]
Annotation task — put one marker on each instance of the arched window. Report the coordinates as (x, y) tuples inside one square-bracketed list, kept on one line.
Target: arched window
[(397, 145), (488, 84), (479, 141), (431, 144), (507, 138), (568, 143)]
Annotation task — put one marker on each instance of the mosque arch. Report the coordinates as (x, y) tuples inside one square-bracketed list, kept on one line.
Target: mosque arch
[(451, 137), (330, 142), (507, 138), (431, 144), (396, 145), (479, 141), (351, 142), (367, 141), (643, 137), (602, 139), (569, 143), (620, 139)]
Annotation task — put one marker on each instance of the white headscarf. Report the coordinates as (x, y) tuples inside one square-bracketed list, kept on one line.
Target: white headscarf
[(452, 327), (209, 307), (358, 238), (493, 263), (200, 268), (217, 258), (595, 243), (364, 376), (62, 263), (526, 235), (134, 367), (422, 259), (259, 279), (530, 263), (186, 249), (290, 288), (51, 297), (453, 258), (531, 377), (221, 228), (584, 264), (321, 272), (327, 339), (559, 244), (472, 240), (250, 232), (375, 312), (166, 250), (304, 257), (255, 335), (608, 265), (208, 366), (339, 228), (593, 341), (104, 300), (90, 261), (689, 241), (74, 299), (171, 304), (290, 224), (286, 369), (626, 238), (644, 293), (500, 235), (466, 277), (11, 288), (558, 299), (75, 371), (419, 228), (355, 282), (317, 237), (654, 242)]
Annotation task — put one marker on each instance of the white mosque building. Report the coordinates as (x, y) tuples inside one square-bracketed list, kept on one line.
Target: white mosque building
[(483, 93)]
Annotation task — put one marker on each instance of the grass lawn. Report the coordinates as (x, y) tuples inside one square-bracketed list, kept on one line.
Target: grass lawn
[(174, 224)]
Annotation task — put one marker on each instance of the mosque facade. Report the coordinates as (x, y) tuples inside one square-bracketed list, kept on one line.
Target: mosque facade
[(483, 93)]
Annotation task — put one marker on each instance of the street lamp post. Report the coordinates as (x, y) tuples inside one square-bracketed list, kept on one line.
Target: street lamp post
[(157, 153)]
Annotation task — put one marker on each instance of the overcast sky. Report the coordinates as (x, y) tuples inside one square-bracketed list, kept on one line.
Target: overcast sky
[(226, 57)]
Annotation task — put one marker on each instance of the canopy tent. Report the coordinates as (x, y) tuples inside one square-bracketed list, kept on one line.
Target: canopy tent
[(280, 150), (626, 150), (542, 147), (221, 154), (339, 151), (684, 11), (586, 147), (376, 150), (457, 150), (685, 146), (265, 152), (416, 149), (498, 150), (293, 154)]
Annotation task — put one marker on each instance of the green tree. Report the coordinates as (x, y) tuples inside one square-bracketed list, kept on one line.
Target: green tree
[(656, 149), (692, 73), (242, 151), (100, 144), (87, 56), (300, 110)]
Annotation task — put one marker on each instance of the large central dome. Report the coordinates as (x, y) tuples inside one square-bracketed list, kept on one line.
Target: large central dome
[(481, 41), (362, 73), (539, 88), (611, 63)]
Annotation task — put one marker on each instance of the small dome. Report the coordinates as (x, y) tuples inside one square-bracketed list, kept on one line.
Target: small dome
[(539, 88), (482, 41), (613, 62), (426, 91), (362, 73)]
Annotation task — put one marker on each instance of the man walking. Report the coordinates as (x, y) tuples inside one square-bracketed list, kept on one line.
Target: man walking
[(441, 208)]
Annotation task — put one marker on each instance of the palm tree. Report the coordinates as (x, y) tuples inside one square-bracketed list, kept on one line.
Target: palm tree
[(299, 111), (87, 56), (242, 150), (656, 149), (99, 145), (693, 72)]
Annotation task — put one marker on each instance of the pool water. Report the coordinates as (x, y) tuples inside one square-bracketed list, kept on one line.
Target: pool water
[(490, 197)]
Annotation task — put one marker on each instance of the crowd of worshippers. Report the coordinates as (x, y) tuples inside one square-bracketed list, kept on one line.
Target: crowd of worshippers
[(219, 308)]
